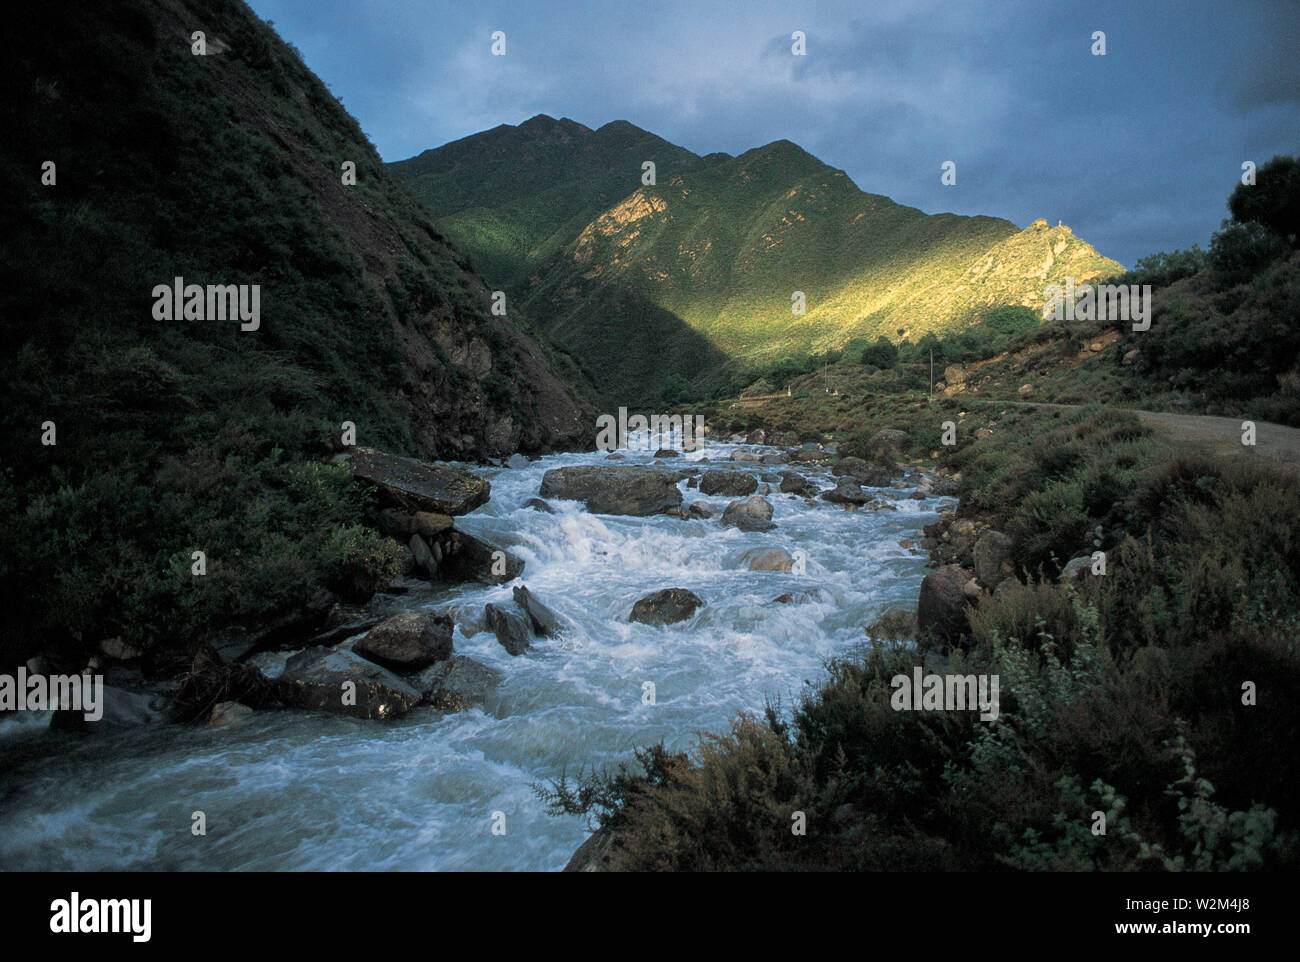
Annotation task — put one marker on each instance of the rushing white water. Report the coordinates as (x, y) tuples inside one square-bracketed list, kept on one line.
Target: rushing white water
[(299, 790)]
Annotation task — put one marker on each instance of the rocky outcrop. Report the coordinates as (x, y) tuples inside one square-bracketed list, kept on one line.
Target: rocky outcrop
[(731, 484), (666, 607), (339, 681), (408, 641), (749, 514), (410, 485), (637, 491)]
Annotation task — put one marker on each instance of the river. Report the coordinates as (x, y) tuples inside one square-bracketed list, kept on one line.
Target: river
[(290, 790)]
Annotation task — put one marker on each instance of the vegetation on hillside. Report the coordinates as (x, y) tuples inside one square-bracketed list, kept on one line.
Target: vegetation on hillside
[(174, 437), (699, 270)]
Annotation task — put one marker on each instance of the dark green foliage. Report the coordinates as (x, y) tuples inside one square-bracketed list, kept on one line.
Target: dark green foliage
[(185, 435), (1273, 201)]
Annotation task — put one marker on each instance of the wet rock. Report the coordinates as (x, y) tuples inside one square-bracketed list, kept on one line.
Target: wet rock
[(118, 708), (797, 597), (537, 504), (992, 557), (543, 618), (698, 509), (410, 485), (666, 607), (767, 559), (457, 684), (466, 558), (793, 483), (730, 484), (749, 514), (847, 492), (637, 491), (776, 457), (516, 462), (227, 713), (511, 629), (342, 682), (667, 453), (742, 455), (408, 641), (941, 609)]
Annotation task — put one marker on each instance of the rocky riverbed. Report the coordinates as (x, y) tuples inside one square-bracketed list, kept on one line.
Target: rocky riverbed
[(553, 618)]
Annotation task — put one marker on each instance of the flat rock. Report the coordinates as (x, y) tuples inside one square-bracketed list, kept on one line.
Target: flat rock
[(732, 484), (411, 485), (627, 490)]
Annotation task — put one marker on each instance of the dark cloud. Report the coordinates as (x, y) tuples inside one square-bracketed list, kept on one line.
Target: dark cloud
[(1137, 150)]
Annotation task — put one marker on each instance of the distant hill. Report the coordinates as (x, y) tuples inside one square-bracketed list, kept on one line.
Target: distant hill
[(698, 271)]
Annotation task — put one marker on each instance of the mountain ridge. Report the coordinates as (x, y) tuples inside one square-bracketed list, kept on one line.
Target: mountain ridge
[(719, 245)]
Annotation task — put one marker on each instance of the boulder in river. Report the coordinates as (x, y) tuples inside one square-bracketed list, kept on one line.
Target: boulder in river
[(767, 559), (340, 681), (749, 514), (797, 597), (510, 628), (467, 558), (631, 490), (408, 641), (410, 485), (537, 504), (666, 607), (732, 484), (543, 618), (847, 492), (117, 708), (457, 684)]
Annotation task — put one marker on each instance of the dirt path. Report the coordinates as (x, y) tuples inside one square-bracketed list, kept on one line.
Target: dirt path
[(1220, 435)]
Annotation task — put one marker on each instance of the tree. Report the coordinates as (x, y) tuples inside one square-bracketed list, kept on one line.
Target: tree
[(882, 354), (1273, 200)]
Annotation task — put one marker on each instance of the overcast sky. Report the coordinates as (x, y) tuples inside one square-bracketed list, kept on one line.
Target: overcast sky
[(1136, 150)]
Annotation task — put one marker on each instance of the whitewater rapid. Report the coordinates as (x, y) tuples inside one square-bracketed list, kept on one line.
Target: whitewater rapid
[(291, 790)]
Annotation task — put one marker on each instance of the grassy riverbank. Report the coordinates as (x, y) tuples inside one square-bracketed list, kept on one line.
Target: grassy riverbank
[(1123, 694)]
